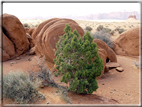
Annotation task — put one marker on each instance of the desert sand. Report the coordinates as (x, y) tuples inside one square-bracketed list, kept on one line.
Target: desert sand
[(114, 87)]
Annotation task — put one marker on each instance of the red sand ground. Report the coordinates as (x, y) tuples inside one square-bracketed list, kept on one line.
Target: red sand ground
[(114, 87)]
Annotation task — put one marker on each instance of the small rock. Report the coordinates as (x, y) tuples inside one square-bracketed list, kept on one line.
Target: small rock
[(18, 58), (32, 51), (48, 103), (120, 69), (29, 59), (28, 36), (112, 92), (112, 64), (41, 86), (103, 84), (11, 63)]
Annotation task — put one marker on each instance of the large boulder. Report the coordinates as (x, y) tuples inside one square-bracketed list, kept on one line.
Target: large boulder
[(110, 53), (128, 43), (5, 56), (106, 53), (46, 24), (8, 47), (40, 26), (30, 31), (51, 37), (39, 38), (14, 36), (30, 39), (46, 38), (103, 54)]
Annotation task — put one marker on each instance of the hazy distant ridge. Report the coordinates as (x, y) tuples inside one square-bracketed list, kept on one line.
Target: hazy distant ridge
[(112, 15)]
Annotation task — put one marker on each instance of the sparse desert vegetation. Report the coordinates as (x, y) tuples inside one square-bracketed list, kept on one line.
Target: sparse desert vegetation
[(36, 53), (19, 87)]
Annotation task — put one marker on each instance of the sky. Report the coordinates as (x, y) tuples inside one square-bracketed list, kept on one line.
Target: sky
[(23, 10)]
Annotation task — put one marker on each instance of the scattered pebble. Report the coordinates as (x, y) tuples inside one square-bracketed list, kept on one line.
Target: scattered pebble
[(11, 63), (18, 58), (120, 69), (48, 102), (29, 59), (114, 89), (127, 94), (112, 92), (103, 84)]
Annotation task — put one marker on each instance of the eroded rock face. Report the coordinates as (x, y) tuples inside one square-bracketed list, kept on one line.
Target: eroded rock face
[(14, 36), (31, 30), (103, 54), (5, 56), (106, 53), (47, 37), (8, 47), (128, 43), (40, 26), (39, 38), (30, 39), (51, 37), (110, 53)]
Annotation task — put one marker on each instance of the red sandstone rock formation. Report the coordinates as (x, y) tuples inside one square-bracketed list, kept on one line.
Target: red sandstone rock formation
[(30, 39), (110, 53), (47, 24), (40, 26), (46, 35), (106, 53), (128, 43), (8, 47), (14, 37), (31, 30), (51, 37), (39, 38)]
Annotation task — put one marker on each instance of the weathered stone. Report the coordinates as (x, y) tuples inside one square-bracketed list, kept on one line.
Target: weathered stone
[(120, 69), (30, 40), (106, 53), (5, 56), (52, 36), (32, 51), (8, 46), (15, 32), (112, 64), (128, 43), (39, 27)]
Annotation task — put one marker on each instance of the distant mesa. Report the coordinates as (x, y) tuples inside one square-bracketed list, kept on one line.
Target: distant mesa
[(132, 16)]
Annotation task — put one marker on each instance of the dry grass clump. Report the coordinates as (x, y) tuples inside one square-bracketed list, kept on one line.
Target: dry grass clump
[(120, 30), (18, 87), (44, 75), (104, 36), (88, 28), (26, 25)]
